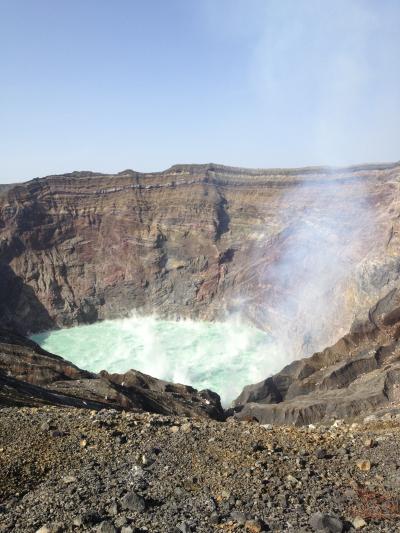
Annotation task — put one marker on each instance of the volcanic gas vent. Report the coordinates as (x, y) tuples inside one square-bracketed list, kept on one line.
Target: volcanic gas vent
[(221, 356)]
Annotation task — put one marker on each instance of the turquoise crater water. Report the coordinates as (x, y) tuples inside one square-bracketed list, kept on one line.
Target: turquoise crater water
[(222, 356)]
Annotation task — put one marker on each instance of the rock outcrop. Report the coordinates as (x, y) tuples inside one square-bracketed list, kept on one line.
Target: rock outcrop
[(30, 376), (357, 375), (197, 241)]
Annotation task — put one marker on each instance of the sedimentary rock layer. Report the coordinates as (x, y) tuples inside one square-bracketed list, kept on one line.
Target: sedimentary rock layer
[(195, 240), (359, 374)]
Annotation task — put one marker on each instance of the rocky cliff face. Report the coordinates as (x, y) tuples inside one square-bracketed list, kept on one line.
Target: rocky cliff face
[(359, 374), (198, 241)]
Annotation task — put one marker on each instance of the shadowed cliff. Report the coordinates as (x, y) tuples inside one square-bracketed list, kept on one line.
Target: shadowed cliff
[(30, 376)]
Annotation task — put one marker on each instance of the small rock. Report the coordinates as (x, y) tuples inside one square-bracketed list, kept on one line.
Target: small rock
[(301, 462), (255, 526), (257, 447), (146, 460), (349, 494), (325, 522), (69, 479), (358, 522), (127, 529), (392, 482), (113, 509), (364, 465), (369, 443), (90, 518), (106, 527), (83, 443), (184, 528), (120, 521), (321, 453), (238, 517), (53, 528), (45, 427), (133, 502), (282, 500), (57, 433)]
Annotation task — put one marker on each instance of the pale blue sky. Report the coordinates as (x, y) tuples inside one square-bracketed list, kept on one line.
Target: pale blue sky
[(113, 84)]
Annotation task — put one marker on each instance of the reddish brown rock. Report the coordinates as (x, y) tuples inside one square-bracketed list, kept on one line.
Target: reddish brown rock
[(203, 241), (197, 241)]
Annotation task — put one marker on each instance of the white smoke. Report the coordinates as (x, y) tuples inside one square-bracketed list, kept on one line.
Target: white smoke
[(327, 225), (307, 275), (222, 356)]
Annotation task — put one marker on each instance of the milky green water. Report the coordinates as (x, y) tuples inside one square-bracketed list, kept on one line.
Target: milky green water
[(220, 356)]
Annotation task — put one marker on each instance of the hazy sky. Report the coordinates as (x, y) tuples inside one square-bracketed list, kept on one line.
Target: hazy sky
[(113, 84)]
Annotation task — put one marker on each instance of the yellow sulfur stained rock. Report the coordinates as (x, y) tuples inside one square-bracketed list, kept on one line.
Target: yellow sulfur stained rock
[(359, 523), (364, 465)]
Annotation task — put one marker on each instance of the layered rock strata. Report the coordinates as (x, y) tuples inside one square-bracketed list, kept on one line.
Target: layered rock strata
[(204, 241), (198, 241), (358, 374)]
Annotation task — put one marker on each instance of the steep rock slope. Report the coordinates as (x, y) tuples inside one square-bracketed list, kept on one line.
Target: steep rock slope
[(195, 240), (30, 376), (359, 374)]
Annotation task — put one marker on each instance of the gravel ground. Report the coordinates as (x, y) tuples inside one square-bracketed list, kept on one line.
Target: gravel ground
[(65, 469)]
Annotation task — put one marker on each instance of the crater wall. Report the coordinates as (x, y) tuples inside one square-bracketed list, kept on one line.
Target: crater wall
[(198, 241)]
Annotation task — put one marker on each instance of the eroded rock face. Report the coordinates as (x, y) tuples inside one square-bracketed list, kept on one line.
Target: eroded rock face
[(198, 241), (203, 241), (357, 375), (31, 376)]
